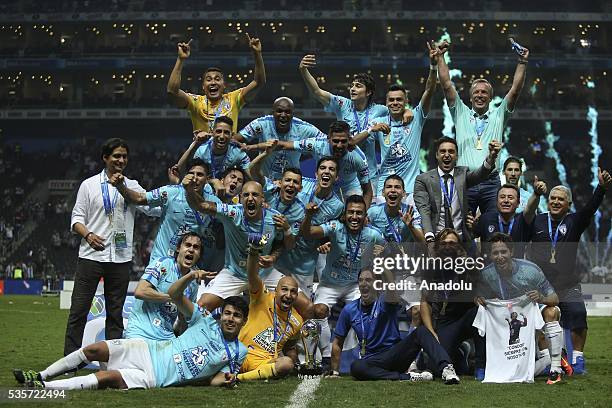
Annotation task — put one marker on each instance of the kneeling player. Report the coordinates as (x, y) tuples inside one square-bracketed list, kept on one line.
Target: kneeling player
[(208, 351)]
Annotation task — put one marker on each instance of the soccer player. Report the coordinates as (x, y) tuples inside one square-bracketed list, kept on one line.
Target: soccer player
[(397, 221), (220, 152), (177, 217), (509, 278), (238, 221), (400, 143), (356, 111), (506, 219), (207, 351), (513, 170), (352, 242), (274, 326), (281, 125), (382, 354), (229, 187), (475, 127), (441, 194), (205, 109), (449, 314), (354, 177), (153, 314), (555, 237)]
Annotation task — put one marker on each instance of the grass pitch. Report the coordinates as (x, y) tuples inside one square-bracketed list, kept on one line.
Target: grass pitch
[(32, 334)]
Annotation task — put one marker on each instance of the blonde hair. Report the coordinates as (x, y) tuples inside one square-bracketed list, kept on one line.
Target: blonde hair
[(479, 81)]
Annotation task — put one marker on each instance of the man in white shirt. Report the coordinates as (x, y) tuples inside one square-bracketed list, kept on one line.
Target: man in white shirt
[(105, 221)]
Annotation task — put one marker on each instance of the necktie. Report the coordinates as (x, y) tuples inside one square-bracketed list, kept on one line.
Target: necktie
[(448, 217)]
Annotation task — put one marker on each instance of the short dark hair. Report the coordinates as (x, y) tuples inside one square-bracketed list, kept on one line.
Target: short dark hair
[(513, 159), (224, 119), (238, 302), (293, 170), (500, 237), (227, 171), (445, 232), (328, 158), (512, 186), (394, 177), (356, 199), (339, 126), (445, 139), (396, 87), (183, 238), (111, 144), (366, 270), (368, 81), (196, 161), (213, 69)]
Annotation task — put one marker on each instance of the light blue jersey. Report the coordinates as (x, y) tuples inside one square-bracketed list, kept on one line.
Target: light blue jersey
[(263, 129), (177, 218), (393, 228), (153, 320), (294, 211), (196, 354), (237, 228), (399, 150), (353, 166), (233, 157), (344, 109), (344, 261), (523, 199), (302, 259), (526, 276)]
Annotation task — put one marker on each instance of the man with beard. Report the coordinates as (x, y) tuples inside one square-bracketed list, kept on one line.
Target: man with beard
[(177, 217), (479, 125), (513, 170), (205, 109), (448, 314), (353, 172), (507, 220), (441, 194), (400, 143), (238, 222), (351, 243), (281, 125), (555, 237), (383, 355), (220, 152), (357, 111), (274, 326), (509, 278), (208, 351)]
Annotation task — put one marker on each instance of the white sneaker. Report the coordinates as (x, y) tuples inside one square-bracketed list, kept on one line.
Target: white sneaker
[(422, 376), (412, 368), (449, 375)]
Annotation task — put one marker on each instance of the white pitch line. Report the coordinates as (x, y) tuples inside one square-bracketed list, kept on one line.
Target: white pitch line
[(304, 393)]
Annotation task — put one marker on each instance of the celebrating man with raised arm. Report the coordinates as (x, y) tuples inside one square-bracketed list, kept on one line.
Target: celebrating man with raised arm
[(205, 109), (479, 125)]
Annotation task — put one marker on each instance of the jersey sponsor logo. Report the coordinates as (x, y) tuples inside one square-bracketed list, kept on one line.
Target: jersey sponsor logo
[(264, 339), (195, 358), (116, 342)]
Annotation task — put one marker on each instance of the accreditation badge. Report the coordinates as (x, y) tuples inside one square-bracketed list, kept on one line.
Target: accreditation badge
[(120, 240)]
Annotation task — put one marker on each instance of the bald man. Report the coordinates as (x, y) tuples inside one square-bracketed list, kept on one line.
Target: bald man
[(281, 125), (274, 324), (238, 222)]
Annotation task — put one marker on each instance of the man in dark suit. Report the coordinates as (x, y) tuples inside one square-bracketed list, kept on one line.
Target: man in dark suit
[(441, 194)]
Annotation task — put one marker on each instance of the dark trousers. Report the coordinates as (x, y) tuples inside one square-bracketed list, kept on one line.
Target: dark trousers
[(116, 278), (452, 332), (390, 364), (484, 195)]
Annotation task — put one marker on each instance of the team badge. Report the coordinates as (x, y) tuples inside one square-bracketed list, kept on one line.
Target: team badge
[(198, 355), (491, 228), (563, 229)]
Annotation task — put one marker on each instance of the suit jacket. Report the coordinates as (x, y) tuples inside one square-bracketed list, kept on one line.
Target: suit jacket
[(428, 194)]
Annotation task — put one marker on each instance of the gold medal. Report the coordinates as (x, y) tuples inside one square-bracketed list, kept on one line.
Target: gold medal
[(363, 347), (478, 143), (552, 256), (388, 138)]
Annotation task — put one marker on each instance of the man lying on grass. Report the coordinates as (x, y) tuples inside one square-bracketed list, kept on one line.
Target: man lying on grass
[(208, 352)]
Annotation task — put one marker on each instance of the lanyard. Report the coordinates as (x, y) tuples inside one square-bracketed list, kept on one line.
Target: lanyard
[(217, 113), (364, 333), (500, 221), (261, 229), (396, 232), (217, 173), (501, 287), (365, 122), (480, 125), (109, 207), (352, 253), (278, 339), (550, 234), (287, 207), (233, 362), (449, 198)]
